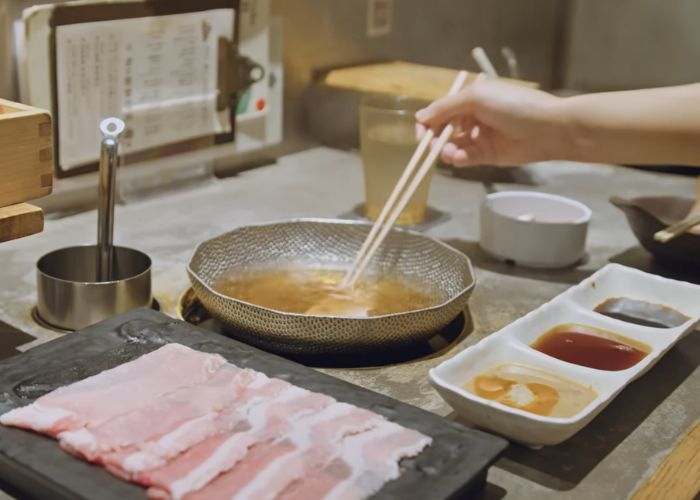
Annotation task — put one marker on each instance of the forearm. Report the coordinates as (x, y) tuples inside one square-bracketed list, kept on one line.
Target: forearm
[(654, 126)]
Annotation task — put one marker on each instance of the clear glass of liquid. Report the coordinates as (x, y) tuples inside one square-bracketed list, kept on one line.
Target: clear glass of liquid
[(387, 142)]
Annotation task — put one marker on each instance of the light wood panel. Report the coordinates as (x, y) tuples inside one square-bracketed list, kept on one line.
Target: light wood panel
[(678, 476), (399, 78), (18, 221), (26, 166)]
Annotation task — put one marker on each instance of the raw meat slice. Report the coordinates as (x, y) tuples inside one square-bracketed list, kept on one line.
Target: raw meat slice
[(260, 458), (311, 443), (150, 455), (373, 457), (269, 420), (191, 426), (318, 482), (317, 441), (131, 385), (179, 477), (160, 416), (128, 462)]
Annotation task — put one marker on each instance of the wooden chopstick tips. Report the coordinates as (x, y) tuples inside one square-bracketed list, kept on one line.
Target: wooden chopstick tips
[(690, 221)]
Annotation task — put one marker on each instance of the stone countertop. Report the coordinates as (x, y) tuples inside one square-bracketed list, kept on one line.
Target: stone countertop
[(608, 459)]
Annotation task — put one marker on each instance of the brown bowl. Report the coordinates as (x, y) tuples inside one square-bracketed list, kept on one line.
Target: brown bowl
[(647, 215)]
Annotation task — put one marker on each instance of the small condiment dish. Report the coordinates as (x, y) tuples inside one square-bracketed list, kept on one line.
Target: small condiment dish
[(534, 229), (576, 306)]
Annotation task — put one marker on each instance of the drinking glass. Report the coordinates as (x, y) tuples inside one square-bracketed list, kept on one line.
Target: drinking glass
[(387, 142)]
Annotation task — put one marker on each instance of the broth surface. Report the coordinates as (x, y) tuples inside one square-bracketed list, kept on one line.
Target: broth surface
[(316, 291)]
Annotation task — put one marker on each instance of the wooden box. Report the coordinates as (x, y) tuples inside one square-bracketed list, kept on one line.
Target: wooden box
[(26, 166), (20, 220), (400, 78)]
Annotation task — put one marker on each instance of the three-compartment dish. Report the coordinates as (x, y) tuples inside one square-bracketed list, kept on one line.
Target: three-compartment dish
[(544, 377)]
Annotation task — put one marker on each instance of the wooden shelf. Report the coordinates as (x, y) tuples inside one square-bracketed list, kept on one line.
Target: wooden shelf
[(18, 221)]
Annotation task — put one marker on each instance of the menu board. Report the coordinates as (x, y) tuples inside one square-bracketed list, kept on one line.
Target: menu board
[(158, 73)]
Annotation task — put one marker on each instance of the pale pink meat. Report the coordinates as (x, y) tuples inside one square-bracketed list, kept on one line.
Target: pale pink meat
[(374, 457), (196, 465), (259, 458), (153, 454), (268, 420), (125, 388), (160, 416), (191, 426), (318, 482), (315, 441)]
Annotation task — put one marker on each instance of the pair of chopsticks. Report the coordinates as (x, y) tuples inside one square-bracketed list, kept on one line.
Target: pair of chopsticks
[(402, 193)]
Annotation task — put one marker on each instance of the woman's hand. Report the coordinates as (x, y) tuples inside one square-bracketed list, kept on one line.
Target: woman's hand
[(519, 125), (496, 123)]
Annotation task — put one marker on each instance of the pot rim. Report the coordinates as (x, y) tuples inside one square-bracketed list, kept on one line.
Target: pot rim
[(134, 277), (582, 220)]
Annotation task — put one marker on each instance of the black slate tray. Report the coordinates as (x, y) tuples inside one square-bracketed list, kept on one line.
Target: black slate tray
[(33, 466)]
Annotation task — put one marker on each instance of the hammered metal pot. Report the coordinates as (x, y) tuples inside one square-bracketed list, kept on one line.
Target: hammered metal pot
[(331, 244)]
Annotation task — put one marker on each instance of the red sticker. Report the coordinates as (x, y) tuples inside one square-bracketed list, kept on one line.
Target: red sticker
[(260, 104)]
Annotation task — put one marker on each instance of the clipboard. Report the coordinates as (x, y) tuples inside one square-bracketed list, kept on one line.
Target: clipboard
[(227, 65)]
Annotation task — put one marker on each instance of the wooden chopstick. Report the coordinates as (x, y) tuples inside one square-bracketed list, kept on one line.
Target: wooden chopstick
[(482, 59), (689, 221), (391, 210), (399, 207), (674, 231)]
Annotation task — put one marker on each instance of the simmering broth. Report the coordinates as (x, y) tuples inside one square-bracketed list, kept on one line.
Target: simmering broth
[(316, 291)]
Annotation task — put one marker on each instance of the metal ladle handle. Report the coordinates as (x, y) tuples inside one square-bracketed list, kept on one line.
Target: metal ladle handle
[(110, 128)]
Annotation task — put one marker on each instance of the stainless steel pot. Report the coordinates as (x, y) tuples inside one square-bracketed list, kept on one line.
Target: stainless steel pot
[(71, 296), (320, 243)]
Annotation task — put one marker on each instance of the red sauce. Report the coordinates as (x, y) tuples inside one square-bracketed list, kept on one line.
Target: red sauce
[(591, 347)]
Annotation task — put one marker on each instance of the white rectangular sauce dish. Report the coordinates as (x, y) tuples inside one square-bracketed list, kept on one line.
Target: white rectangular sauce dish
[(511, 345)]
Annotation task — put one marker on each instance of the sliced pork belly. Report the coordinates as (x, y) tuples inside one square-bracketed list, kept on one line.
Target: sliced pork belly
[(260, 458), (318, 482), (199, 465), (268, 420), (270, 467), (373, 457), (133, 461), (96, 399), (160, 416), (190, 426)]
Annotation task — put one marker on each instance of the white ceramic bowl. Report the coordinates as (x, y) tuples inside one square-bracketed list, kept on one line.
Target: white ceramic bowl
[(534, 229)]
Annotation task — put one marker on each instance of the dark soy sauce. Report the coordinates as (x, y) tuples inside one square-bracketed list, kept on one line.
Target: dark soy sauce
[(591, 347), (641, 313)]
